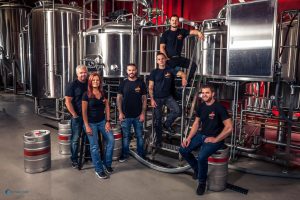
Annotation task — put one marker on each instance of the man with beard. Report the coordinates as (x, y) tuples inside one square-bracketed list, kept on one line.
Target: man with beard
[(216, 126), (160, 83), (132, 104), (171, 44), (73, 101)]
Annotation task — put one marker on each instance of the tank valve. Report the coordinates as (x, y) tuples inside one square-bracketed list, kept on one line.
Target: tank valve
[(114, 68)]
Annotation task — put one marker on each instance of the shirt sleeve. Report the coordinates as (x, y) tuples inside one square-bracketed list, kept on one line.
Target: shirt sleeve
[(144, 88), (185, 33), (120, 89), (173, 71), (69, 90), (85, 97), (163, 38), (198, 111), (151, 77), (223, 113)]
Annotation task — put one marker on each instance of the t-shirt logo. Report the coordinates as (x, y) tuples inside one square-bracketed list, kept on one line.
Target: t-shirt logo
[(179, 37), (137, 89), (211, 115), (168, 75)]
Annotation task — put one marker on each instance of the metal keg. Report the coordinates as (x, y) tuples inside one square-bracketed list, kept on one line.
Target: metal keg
[(37, 151), (64, 137), (218, 170), (118, 143)]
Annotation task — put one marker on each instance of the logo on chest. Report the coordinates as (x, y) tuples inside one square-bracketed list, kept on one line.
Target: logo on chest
[(137, 89), (211, 115), (168, 75), (179, 37)]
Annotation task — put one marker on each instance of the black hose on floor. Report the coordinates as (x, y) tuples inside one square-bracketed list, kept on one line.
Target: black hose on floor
[(265, 173)]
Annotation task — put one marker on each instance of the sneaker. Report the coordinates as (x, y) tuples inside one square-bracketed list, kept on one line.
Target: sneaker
[(169, 129), (123, 159), (109, 170), (101, 175), (201, 188), (74, 165)]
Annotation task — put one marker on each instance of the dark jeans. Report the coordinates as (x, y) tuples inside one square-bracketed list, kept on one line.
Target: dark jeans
[(174, 113), (207, 149), (76, 126), (126, 125), (184, 63)]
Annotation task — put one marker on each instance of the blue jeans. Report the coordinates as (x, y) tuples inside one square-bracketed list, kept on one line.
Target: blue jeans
[(76, 126), (207, 149), (174, 113), (126, 131), (94, 145)]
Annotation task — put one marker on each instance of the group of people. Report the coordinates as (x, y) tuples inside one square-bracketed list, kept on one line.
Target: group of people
[(90, 110)]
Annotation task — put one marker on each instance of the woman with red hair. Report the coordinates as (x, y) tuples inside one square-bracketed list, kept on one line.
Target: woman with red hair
[(96, 117)]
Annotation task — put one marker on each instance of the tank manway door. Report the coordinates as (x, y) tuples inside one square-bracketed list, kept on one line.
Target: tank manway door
[(251, 41)]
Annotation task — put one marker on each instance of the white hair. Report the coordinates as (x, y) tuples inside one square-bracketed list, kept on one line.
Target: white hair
[(80, 67)]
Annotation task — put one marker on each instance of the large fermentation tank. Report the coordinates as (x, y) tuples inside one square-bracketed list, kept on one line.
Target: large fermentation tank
[(12, 20), (192, 49), (55, 47), (149, 47), (289, 52), (214, 48), (117, 44)]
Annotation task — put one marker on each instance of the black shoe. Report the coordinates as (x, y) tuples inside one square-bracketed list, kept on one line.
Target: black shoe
[(201, 188), (101, 175), (74, 165), (169, 129), (195, 175), (109, 170)]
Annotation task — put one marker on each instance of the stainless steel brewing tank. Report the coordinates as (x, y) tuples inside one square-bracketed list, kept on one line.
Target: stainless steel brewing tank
[(288, 53), (214, 48), (55, 48), (12, 20), (192, 49), (149, 46), (116, 43)]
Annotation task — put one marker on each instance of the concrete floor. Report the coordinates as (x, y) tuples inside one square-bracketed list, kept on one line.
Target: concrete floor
[(131, 180)]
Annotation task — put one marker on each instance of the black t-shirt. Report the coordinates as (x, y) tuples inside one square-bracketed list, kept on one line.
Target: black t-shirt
[(174, 41), (163, 80), (96, 108), (75, 90), (212, 118), (132, 92)]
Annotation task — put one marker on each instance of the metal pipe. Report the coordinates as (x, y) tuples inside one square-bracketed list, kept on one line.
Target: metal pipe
[(279, 143), (174, 170), (182, 114), (100, 4), (45, 50), (14, 73), (245, 149)]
